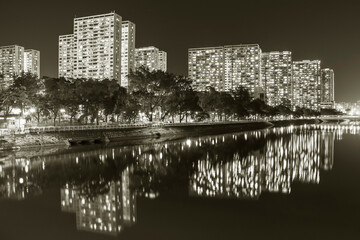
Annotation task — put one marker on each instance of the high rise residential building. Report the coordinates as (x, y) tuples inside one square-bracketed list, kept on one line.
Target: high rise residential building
[(32, 62), (243, 67), (96, 49), (226, 67), (206, 68), (276, 72), (11, 63), (127, 51), (306, 84), (163, 61), (151, 58), (327, 88), (66, 56)]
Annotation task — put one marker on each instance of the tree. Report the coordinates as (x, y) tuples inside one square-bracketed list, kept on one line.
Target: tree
[(131, 109), (92, 97), (8, 98), (226, 105), (258, 106), (56, 92), (151, 89), (182, 101), (208, 100), (27, 87), (281, 109), (114, 98), (242, 101)]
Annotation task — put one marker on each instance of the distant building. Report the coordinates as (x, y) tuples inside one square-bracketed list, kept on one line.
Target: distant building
[(327, 88), (226, 67), (306, 84), (66, 56), (96, 49), (206, 68), (277, 77), (15, 60), (11, 63), (243, 67), (151, 58), (163, 61), (127, 51), (32, 62)]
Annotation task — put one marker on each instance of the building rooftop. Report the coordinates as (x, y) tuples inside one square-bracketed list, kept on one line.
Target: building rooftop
[(95, 16), (9, 46)]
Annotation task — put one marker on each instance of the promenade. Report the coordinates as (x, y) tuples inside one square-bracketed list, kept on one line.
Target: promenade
[(54, 129)]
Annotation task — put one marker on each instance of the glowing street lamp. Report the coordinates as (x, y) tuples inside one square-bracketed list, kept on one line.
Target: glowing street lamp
[(16, 111)]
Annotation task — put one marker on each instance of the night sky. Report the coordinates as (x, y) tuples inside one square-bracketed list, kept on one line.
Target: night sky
[(310, 29)]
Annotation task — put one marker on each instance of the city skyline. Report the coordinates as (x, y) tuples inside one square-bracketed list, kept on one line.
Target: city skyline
[(15, 60), (304, 38), (103, 46)]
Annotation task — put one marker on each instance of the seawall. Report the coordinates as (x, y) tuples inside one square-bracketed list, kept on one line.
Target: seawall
[(162, 133), (294, 122)]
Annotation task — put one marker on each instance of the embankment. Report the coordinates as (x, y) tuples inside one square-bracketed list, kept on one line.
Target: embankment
[(127, 135), (157, 132), (294, 122), (31, 140)]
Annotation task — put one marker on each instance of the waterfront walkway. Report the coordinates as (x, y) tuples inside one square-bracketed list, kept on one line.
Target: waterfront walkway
[(51, 129)]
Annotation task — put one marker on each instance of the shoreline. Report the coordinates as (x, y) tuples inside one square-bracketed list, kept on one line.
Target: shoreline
[(157, 133)]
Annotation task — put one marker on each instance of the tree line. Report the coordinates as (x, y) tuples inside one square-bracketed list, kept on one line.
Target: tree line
[(152, 95)]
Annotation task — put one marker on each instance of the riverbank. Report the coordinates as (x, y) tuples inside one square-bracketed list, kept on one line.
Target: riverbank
[(153, 133), (294, 122)]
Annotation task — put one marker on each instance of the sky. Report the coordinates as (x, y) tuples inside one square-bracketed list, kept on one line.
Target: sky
[(309, 29)]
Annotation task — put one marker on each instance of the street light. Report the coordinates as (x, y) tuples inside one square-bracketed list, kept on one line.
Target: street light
[(16, 111), (62, 111)]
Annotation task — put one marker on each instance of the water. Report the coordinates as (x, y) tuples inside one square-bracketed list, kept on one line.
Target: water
[(281, 183)]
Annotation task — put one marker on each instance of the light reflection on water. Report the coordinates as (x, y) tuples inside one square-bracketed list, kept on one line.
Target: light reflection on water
[(101, 186)]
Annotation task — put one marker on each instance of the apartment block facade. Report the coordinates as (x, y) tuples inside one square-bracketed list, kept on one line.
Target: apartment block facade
[(96, 48), (151, 58), (243, 67), (226, 67), (66, 56), (206, 68), (327, 88), (163, 61), (32, 62), (276, 72), (15, 60), (11, 63), (127, 51), (306, 84)]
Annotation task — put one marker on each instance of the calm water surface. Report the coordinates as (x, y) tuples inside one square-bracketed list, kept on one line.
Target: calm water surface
[(281, 183)]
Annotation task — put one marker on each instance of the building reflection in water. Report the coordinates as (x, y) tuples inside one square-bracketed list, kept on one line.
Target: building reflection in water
[(105, 213), (101, 185), (287, 157), (16, 178)]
